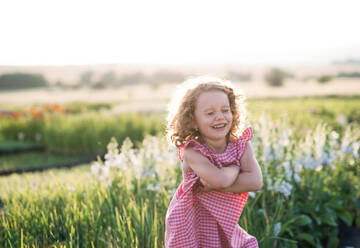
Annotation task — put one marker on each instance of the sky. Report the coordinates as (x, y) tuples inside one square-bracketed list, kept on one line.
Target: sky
[(178, 32)]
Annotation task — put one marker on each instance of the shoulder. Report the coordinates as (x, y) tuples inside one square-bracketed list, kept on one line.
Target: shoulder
[(248, 160), (249, 152), (192, 153), (193, 157)]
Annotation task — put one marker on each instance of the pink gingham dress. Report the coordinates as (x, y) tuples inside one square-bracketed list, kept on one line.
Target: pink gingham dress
[(208, 219)]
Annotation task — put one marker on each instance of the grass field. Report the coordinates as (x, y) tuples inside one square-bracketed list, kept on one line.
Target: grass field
[(308, 150), (307, 145)]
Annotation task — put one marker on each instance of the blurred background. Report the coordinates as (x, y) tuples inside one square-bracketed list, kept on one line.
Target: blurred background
[(118, 51), (75, 75)]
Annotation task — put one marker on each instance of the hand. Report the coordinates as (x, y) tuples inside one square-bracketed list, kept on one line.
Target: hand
[(201, 187), (205, 186)]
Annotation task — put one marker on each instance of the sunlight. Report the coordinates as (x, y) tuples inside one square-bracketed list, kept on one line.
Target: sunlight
[(163, 32)]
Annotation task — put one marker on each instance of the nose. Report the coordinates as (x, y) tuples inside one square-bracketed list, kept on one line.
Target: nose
[(220, 116)]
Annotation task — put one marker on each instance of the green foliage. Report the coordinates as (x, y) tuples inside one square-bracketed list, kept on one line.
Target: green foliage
[(73, 208), (324, 79), (349, 74), (83, 212), (82, 107), (275, 77), (8, 146), (22, 81), (86, 133), (313, 111), (22, 130), (36, 160)]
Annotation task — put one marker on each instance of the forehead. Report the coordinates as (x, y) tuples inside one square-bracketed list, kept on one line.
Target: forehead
[(212, 99)]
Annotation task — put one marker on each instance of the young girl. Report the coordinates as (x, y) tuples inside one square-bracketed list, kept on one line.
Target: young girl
[(219, 166)]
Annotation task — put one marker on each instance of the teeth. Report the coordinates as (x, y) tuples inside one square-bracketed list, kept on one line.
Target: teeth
[(221, 125)]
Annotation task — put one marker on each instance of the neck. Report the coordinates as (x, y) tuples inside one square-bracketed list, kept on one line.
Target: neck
[(217, 146)]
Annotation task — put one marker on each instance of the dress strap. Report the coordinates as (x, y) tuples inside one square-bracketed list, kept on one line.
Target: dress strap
[(194, 144), (240, 143)]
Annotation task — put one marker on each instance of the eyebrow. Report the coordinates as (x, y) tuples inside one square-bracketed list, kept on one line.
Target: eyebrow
[(211, 108)]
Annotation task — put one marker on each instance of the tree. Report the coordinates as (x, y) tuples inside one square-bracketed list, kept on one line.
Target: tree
[(108, 79), (86, 78), (324, 79), (275, 77), (22, 81)]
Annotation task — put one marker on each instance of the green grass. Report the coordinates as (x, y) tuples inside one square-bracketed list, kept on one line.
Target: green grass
[(11, 145), (84, 133), (77, 211), (31, 160), (305, 112), (73, 208), (19, 184)]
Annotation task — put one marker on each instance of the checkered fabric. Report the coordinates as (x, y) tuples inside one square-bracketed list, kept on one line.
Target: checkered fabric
[(208, 219)]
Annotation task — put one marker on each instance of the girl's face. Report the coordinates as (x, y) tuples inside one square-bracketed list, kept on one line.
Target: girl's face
[(213, 115)]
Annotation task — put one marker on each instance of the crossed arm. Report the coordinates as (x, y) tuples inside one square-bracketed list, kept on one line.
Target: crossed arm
[(229, 178)]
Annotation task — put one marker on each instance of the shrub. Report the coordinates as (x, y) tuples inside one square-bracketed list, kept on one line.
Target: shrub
[(86, 78), (22, 81), (324, 79), (349, 74), (275, 77)]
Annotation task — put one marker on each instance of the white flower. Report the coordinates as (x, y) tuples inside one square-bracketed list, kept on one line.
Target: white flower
[(151, 187), (341, 119), (105, 171), (147, 173), (21, 136), (277, 228), (281, 186), (297, 178), (334, 135), (355, 148), (96, 168), (120, 161), (252, 194)]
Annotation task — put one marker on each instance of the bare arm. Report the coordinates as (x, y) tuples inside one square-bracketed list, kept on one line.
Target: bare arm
[(249, 178), (215, 177)]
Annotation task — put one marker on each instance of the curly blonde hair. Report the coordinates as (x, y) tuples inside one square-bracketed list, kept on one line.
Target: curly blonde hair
[(181, 115)]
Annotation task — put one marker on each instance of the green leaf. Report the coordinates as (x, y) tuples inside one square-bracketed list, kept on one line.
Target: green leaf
[(316, 218), (307, 237), (303, 220), (328, 219), (337, 204), (333, 242), (347, 217), (291, 234), (357, 222)]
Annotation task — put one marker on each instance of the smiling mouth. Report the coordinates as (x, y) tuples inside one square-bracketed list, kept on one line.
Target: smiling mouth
[(219, 126)]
